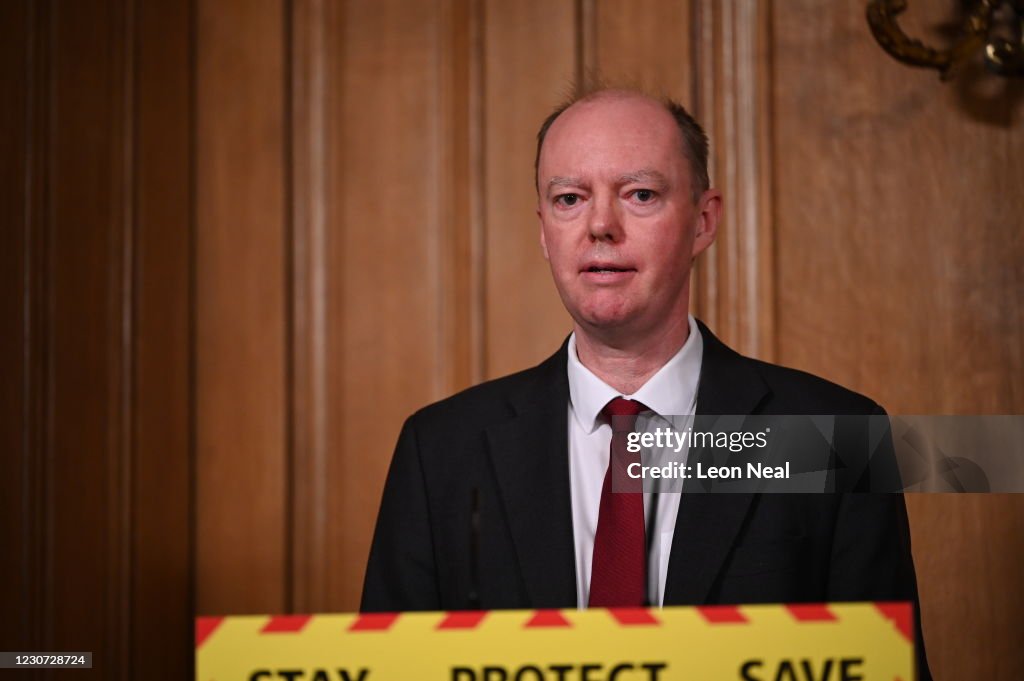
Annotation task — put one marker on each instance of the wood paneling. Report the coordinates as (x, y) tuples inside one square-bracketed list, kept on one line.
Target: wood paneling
[(880, 180), (462, 191), (161, 559), (968, 551), (387, 247), (242, 370), (309, 95), (901, 274), (87, 451), (734, 281), (661, 62), (530, 55), (96, 436), (18, 518), (251, 237)]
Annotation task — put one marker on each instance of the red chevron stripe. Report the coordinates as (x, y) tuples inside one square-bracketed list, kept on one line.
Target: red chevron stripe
[(548, 618), (902, 615), (206, 626), (285, 624), (633, 616), (462, 620), (374, 621), (722, 614), (811, 612)]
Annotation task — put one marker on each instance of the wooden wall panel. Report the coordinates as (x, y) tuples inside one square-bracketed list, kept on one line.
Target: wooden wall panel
[(531, 59), (87, 222), (95, 438), (968, 551), (386, 248), (462, 191), (733, 284), (647, 44), (881, 174), (161, 634), (241, 355), (901, 274), (18, 630), (310, 93)]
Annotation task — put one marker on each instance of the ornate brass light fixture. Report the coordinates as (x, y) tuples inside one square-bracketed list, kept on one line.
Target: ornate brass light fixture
[(984, 28)]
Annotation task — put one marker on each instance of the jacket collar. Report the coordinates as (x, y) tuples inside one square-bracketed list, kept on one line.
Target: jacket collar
[(729, 382), (707, 524)]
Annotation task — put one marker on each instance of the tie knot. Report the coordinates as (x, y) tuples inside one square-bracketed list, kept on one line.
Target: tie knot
[(620, 406)]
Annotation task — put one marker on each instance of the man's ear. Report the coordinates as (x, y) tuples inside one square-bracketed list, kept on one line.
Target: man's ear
[(709, 214), (543, 242)]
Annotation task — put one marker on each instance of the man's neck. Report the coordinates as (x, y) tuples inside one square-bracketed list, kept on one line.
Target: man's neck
[(626, 364)]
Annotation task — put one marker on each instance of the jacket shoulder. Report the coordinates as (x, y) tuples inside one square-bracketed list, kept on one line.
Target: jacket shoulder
[(490, 398), (799, 392), (496, 400), (736, 381)]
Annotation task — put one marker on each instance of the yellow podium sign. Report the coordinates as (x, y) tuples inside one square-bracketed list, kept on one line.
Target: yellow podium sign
[(836, 642)]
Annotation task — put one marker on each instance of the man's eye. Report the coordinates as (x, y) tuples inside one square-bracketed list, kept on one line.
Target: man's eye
[(568, 200), (643, 195)]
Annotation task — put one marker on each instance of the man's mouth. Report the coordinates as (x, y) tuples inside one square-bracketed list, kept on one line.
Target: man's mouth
[(609, 269), (606, 274)]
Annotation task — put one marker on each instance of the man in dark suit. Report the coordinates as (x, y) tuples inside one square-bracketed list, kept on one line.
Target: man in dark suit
[(499, 497)]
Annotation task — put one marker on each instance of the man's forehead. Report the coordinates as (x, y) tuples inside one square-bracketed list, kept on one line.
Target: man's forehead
[(628, 132)]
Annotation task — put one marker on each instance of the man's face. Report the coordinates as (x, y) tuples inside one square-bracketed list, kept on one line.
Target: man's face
[(619, 226)]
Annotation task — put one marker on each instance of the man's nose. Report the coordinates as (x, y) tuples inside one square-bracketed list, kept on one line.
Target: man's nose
[(605, 223)]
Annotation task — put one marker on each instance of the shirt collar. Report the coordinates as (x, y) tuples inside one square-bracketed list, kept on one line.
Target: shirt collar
[(669, 392)]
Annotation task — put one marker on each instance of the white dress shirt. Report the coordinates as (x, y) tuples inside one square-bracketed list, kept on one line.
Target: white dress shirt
[(672, 391)]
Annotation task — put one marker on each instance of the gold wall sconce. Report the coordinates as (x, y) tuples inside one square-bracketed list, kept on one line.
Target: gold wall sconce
[(995, 27)]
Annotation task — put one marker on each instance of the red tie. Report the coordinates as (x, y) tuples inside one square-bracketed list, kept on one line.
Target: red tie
[(619, 570)]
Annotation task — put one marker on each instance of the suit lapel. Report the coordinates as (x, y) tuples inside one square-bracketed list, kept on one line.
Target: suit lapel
[(707, 524), (530, 458)]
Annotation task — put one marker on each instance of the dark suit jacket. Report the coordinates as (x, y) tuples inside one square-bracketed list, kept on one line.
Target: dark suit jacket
[(506, 441)]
